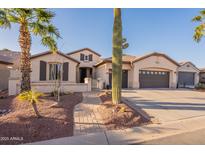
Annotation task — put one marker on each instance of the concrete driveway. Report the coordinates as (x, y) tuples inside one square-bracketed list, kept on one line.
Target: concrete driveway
[(166, 105)]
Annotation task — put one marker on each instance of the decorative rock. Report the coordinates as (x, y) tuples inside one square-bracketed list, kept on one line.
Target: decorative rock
[(4, 112)]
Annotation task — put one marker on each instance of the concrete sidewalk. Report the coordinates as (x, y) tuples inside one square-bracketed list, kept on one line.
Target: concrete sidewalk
[(134, 135), (86, 115)]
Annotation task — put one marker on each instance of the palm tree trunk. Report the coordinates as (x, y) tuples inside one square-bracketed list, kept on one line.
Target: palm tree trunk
[(25, 44), (117, 57)]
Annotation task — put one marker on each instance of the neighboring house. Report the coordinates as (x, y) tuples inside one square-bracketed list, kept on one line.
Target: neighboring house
[(202, 75), (8, 60), (155, 70), (5, 63), (188, 74), (13, 55)]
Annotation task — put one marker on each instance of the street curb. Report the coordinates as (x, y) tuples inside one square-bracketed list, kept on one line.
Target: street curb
[(140, 111)]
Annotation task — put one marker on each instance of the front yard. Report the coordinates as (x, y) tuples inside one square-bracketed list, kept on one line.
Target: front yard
[(20, 124), (118, 116)]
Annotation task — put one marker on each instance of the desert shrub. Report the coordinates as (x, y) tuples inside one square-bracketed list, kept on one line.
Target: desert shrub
[(31, 97), (200, 86)]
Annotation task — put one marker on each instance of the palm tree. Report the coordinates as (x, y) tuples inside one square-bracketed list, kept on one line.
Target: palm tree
[(37, 22), (117, 57), (200, 29)]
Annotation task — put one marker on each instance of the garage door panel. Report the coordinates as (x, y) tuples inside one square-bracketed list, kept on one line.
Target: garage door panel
[(154, 79)]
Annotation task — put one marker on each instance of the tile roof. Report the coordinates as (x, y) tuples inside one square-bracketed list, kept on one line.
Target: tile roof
[(202, 70), (125, 58), (11, 57), (5, 60)]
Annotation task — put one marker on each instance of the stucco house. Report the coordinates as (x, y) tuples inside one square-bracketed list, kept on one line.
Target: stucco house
[(45, 68), (88, 59), (5, 63), (188, 74), (8, 60), (154, 70), (202, 75)]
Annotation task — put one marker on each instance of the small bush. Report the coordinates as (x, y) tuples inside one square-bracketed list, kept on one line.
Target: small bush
[(200, 86), (31, 97)]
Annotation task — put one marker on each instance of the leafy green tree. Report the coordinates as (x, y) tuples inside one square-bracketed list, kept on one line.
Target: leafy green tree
[(119, 43), (200, 29), (30, 21)]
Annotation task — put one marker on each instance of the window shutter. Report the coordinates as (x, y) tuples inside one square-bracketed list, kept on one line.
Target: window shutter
[(65, 71), (82, 57), (91, 57), (42, 70)]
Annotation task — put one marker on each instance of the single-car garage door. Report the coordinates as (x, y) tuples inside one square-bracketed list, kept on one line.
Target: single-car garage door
[(186, 79), (153, 79)]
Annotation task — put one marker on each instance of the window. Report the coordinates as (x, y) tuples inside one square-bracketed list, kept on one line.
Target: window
[(86, 57), (82, 57), (55, 71), (90, 57)]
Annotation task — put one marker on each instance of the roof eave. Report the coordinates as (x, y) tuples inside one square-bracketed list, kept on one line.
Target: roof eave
[(156, 54), (49, 52)]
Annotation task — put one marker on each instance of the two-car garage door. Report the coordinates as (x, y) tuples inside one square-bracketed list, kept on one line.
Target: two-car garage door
[(153, 79)]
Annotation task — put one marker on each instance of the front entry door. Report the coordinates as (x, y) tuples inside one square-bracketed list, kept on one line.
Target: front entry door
[(124, 79), (82, 74)]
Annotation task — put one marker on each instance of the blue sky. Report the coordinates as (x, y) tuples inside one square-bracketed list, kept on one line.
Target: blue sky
[(164, 30)]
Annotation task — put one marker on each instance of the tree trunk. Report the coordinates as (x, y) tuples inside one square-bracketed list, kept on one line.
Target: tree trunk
[(117, 57), (25, 44), (36, 110)]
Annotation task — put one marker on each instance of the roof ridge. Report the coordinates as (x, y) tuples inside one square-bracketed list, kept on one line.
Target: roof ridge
[(79, 50)]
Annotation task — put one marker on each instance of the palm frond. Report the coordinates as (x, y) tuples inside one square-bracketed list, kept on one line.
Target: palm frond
[(25, 13), (199, 32), (53, 31), (44, 15), (38, 28), (49, 42), (197, 18), (202, 12), (4, 21), (37, 20)]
